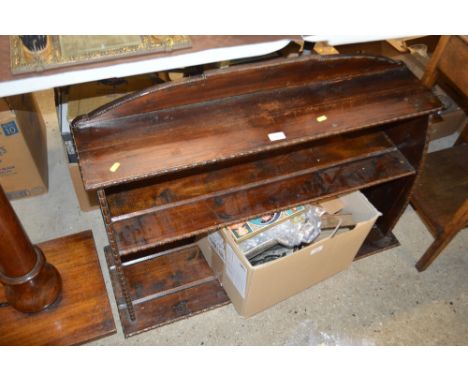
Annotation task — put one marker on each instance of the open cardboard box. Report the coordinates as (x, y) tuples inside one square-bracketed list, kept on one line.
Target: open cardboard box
[(256, 288), (23, 147), (87, 200)]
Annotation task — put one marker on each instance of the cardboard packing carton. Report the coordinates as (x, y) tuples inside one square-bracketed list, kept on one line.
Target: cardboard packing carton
[(79, 99), (253, 289), (87, 200), (451, 118), (84, 98), (23, 148)]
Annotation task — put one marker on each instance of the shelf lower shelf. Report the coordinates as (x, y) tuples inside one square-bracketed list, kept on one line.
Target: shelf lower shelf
[(216, 211), (166, 288)]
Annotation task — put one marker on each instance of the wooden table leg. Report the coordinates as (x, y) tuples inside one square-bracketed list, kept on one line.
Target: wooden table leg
[(443, 239), (430, 75), (31, 284), (435, 249)]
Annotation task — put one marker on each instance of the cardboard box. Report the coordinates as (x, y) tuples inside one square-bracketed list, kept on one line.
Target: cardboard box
[(81, 99), (253, 289), (87, 200), (23, 148)]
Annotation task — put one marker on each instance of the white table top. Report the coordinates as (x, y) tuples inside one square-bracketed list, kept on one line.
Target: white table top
[(75, 76)]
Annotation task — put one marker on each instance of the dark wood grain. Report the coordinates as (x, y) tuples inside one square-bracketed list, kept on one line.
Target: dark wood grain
[(81, 314), (172, 270), (170, 307), (410, 138), (214, 85), (140, 197), (204, 131), (178, 221), (181, 159)]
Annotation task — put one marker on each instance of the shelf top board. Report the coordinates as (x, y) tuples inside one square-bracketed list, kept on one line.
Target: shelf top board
[(242, 110)]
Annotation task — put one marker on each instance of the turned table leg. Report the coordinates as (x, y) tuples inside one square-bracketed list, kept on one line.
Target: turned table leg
[(31, 284)]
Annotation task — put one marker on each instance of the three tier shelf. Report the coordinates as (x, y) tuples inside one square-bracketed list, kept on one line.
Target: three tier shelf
[(184, 158)]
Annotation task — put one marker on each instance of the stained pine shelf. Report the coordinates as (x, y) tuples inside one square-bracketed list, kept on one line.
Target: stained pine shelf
[(184, 158)]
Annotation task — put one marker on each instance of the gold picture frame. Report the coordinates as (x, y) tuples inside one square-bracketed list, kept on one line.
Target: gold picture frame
[(66, 50)]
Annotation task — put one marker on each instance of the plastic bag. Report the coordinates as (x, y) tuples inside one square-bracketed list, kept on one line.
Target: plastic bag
[(302, 229)]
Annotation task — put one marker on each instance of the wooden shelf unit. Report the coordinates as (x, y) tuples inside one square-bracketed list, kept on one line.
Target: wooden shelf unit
[(185, 158)]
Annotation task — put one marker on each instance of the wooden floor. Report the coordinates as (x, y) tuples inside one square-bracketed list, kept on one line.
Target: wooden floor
[(81, 314)]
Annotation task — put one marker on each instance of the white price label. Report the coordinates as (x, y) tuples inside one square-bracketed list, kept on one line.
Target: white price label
[(278, 136)]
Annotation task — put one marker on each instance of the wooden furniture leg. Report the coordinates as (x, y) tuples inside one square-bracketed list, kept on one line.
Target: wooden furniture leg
[(444, 238), (31, 284), (430, 75)]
